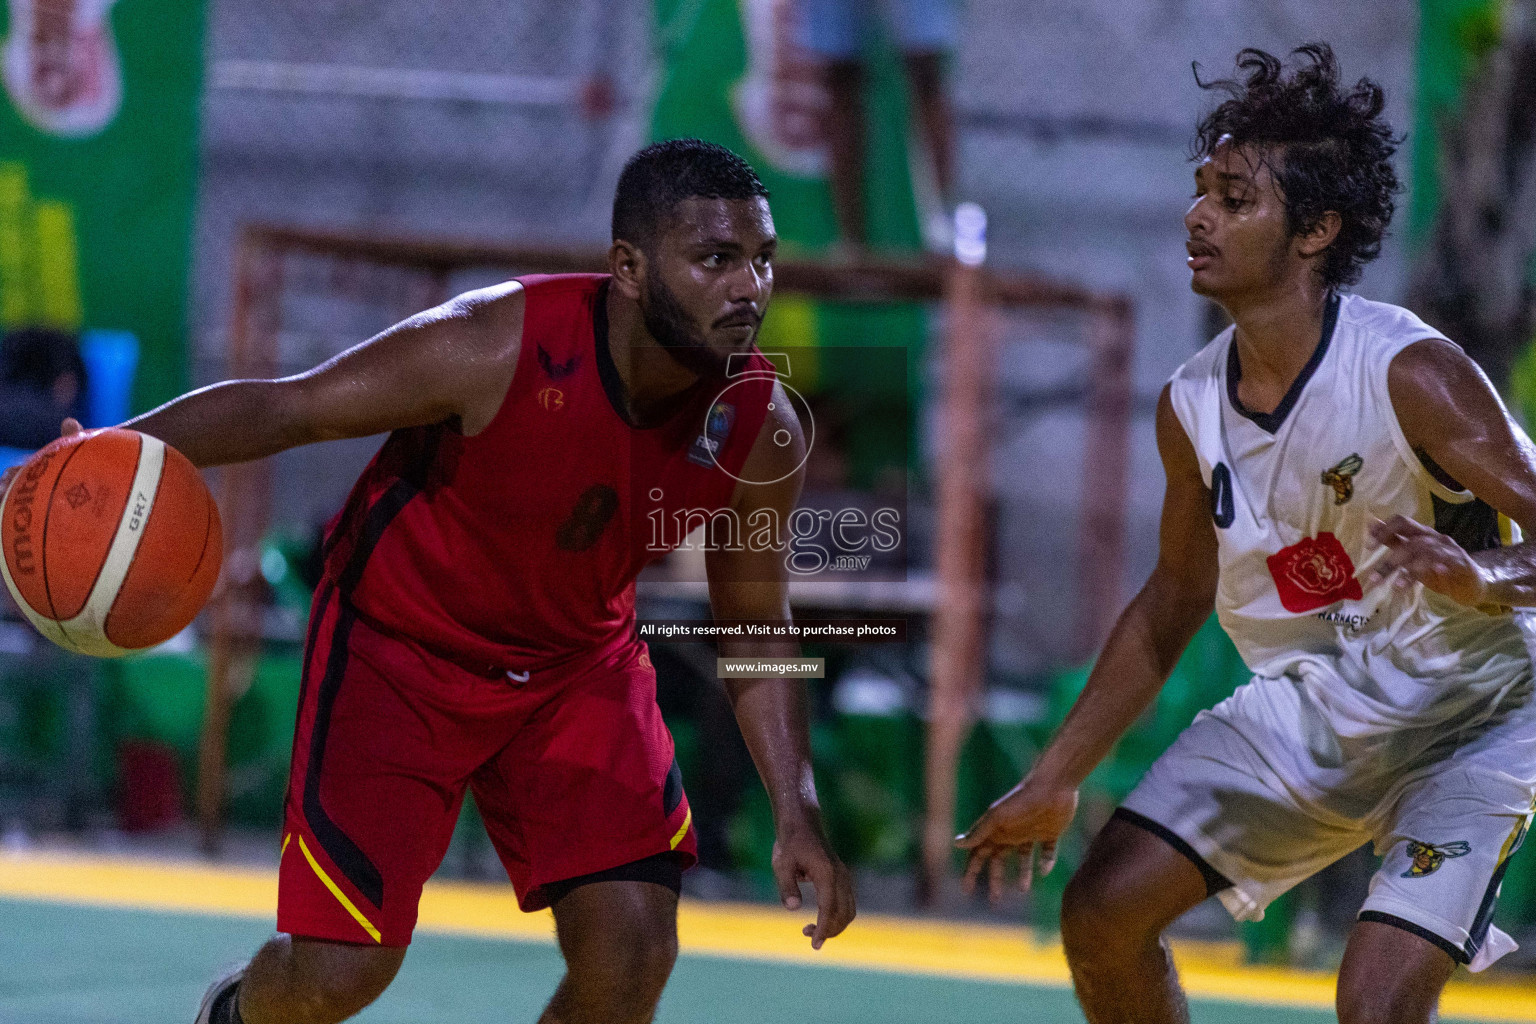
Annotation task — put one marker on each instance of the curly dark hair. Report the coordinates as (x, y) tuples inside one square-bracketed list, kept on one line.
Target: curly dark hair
[(664, 174), (1328, 148)]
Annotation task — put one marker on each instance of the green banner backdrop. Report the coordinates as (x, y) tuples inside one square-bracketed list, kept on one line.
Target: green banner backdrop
[(733, 74), (98, 161), (1453, 36)]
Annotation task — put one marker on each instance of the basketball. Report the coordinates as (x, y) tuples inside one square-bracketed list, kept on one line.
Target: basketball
[(112, 542)]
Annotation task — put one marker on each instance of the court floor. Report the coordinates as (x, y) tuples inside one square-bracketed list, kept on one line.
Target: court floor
[(86, 940)]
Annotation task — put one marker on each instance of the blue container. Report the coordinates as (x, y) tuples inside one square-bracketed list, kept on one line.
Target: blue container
[(111, 359)]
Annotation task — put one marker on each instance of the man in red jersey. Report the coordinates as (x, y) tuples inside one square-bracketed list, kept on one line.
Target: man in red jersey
[(475, 624)]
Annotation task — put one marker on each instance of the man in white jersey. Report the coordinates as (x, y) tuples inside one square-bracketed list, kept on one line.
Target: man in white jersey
[(1336, 474)]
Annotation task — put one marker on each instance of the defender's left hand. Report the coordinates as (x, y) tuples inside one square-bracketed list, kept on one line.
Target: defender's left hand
[(801, 854), (1429, 557)]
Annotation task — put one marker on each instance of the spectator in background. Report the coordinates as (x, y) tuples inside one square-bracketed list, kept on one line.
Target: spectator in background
[(42, 380), (838, 34)]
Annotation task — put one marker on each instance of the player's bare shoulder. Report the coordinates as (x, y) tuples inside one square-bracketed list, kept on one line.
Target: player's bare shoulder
[(1433, 384), (485, 347)]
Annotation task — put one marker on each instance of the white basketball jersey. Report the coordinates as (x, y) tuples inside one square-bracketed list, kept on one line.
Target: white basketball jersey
[(1293, 495)]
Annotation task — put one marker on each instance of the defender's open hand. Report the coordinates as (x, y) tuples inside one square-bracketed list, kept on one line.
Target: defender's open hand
[(1024, 817)]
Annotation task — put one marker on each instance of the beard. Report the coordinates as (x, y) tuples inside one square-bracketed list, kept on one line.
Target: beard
[(669, 323)]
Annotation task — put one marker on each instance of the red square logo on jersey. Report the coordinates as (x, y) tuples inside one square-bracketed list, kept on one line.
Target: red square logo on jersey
[(1314, 572)]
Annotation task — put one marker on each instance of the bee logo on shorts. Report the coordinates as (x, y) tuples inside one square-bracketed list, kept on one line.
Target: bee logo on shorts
[(1341, 478), (1427, 858)]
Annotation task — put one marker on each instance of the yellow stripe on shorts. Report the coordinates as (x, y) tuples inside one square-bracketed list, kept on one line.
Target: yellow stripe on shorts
[(1509, 531), (336, 891), (687, 820), (1516, 834)]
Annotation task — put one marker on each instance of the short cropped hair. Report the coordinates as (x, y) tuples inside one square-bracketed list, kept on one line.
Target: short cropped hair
[(662, 175), (1327, 147)]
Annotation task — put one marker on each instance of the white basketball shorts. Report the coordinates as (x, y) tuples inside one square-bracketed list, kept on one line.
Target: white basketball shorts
[(1245, 793)]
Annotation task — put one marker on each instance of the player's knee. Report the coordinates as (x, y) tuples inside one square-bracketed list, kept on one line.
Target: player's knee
[(1380, 1005), (305, 981), (1099, 918), (643, 960), (1086, 910), (632, 962), (333, 999), (341, 987), (1382, 998)]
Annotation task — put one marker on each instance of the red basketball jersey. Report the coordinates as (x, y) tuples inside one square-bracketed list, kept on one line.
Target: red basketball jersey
[(520, 546)]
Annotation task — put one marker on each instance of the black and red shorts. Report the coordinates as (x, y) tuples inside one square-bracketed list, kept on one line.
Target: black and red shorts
[(571, 768)]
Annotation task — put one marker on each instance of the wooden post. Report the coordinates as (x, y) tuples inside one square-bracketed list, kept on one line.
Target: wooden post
[(244, 497), (1106, 472), (959, 624)]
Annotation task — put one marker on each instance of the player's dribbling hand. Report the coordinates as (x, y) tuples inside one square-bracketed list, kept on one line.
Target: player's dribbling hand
[(68, 427), (1026, 816), (1419, 554), (802, 855)]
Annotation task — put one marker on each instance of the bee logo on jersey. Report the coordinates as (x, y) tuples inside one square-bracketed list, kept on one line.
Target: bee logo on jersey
[(717, 427), (1341, 478), (1427, 858)]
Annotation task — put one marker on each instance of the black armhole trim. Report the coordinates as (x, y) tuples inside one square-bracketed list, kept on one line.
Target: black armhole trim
[(607, 372), (1215, 881), (1434, 469), (665, 869), (1472, 524), (1271, 421), (411, 482), (1455, 952)]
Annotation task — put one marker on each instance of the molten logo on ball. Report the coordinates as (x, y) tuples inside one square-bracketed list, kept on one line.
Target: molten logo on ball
[(111, 542), (23, 492)]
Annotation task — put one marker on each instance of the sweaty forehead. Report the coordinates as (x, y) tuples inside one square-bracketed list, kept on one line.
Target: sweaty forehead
[(1234, 163), (745, 221)]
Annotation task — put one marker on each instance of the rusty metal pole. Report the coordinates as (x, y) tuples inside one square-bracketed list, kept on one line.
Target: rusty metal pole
[(244, 497), (1101, 545), (960, 616)]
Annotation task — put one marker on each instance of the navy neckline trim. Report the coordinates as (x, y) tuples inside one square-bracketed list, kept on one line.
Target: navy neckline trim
[(1270, 421), (607, 372)]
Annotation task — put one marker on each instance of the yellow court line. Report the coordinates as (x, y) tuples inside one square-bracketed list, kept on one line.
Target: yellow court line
[(982, 952)]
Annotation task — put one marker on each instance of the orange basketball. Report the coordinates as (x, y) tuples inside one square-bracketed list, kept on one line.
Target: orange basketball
[(112, 542)]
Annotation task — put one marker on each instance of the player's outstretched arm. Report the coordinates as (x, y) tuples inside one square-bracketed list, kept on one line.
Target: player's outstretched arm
[(1450, 412), (752, 585), (455, 360), (1142, 649)]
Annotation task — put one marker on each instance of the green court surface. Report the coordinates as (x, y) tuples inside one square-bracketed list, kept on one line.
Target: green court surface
[(65, 964)]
